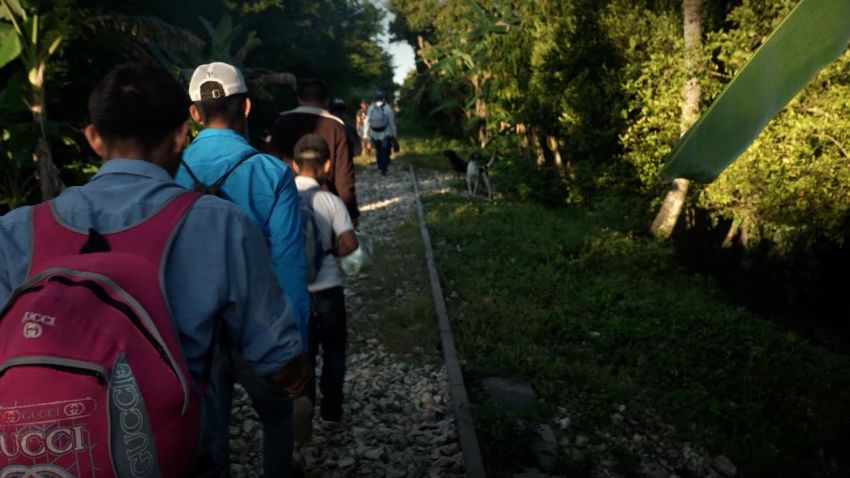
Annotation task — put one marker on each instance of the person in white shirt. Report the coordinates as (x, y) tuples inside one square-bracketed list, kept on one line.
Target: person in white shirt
[(380, 120), (328, 324)]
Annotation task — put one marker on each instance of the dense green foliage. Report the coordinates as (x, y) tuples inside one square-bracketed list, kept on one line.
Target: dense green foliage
[(335, 40), (596, 87), (602, 318)]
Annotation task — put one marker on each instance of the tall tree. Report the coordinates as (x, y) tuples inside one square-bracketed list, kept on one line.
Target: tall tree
[(674, 201)]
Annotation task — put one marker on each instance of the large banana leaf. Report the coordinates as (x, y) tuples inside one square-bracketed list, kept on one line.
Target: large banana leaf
[(10, 44), (814, 34)]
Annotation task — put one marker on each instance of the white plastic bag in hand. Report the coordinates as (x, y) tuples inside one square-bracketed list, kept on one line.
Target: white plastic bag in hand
[(360, 258)]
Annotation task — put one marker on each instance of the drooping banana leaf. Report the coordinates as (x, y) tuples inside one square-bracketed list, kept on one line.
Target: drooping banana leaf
[(813, 35), (10, 44)]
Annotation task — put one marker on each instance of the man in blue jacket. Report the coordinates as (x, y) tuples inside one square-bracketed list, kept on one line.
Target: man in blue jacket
[(264, 188)]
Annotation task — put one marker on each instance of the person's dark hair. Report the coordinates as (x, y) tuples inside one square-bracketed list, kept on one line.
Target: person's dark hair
[(311, 152), (337, 107), (313, 91), (229, 109), (139, 103)]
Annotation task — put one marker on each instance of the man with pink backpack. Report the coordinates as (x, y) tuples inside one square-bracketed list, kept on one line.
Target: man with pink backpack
[(114, 294)]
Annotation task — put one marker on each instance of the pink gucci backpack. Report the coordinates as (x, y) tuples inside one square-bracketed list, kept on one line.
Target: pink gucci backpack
[(92, 383)]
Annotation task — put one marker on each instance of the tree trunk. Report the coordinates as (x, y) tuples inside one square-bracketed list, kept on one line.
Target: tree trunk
[(48, 175), (539, 146), (674, 201), (480, 109), (481, 113), (555, 146)]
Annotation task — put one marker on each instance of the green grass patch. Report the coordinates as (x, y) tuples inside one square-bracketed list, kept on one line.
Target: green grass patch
[(399, 309), (594, 316)]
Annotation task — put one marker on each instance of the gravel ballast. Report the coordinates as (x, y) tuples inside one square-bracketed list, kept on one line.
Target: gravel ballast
[(396, 418)]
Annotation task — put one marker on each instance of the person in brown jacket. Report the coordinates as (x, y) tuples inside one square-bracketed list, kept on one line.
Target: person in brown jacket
[(312, 117)]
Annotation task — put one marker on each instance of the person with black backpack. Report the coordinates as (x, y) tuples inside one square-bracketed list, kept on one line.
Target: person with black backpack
[(220, 161), (114, 291), (382, 131)]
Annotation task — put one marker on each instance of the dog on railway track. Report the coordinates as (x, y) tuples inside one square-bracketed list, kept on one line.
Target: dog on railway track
[(475, 170)]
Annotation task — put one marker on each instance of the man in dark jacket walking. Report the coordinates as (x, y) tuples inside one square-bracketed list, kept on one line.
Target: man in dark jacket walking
[(312, 117)]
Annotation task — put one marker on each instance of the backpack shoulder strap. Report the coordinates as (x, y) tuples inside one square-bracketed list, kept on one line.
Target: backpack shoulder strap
[(214, 187), (306, 195), (244, 158)]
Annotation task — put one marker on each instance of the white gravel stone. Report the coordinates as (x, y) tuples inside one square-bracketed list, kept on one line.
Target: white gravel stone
[(395, 422)]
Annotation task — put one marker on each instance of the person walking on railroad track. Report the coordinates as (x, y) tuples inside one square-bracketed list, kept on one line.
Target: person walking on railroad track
[(221, 161), (312, 117), (363, 127), (328, 326), (382, 131), (338, 109), (132, 251)]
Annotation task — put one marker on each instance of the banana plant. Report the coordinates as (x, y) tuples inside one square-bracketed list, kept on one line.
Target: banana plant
[(813, 35), (10, 44), (34, 55)]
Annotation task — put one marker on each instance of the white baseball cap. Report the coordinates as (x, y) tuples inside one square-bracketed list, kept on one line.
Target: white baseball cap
[(227, 81)]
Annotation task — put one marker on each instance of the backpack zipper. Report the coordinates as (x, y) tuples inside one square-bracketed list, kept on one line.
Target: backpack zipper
[(130, 308), (71, 365)]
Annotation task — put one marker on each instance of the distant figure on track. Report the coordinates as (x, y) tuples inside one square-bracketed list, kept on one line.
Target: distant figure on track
[(363, 127), (382, 131), (338, 109)]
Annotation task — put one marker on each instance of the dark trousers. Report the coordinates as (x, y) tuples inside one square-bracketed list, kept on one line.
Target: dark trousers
[(382, 153), (328, 330), (272, 404)]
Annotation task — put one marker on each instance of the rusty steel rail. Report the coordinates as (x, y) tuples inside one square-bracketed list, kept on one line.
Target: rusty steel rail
[(472, 459)]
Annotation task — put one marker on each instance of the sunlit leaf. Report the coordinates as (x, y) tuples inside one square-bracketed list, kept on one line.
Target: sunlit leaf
[(10, 44), (11, 8), (53, 46), (813, 35)]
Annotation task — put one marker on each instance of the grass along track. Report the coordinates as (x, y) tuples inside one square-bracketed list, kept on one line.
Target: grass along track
[(641, 368)]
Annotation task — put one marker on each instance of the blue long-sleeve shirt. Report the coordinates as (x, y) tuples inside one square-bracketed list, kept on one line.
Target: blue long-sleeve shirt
[(264, 188), (218, 264)]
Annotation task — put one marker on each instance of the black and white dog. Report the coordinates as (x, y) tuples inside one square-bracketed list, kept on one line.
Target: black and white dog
[(475, 170)]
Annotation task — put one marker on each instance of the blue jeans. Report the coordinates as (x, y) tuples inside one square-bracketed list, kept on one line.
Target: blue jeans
[(272, 404), (382, 149)]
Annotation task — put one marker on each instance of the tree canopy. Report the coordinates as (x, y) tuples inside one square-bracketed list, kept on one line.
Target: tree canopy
[(334, 40), (595, 87)]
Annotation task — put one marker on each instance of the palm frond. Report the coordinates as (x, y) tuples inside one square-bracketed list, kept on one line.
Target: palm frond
[(148, 30), (281, 79)]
